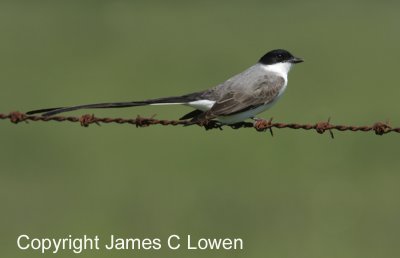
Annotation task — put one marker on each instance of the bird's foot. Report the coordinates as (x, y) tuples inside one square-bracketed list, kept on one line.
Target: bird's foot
[(241, 125), (211, 124)]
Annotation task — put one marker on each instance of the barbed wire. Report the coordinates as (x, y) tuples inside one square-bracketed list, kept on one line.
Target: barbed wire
[(380, 128)]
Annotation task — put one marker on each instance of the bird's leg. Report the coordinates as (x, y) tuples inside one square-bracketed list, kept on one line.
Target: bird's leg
[(211, 124), (241, 125)]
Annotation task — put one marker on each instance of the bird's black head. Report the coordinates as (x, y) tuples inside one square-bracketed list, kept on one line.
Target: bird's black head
[(279, 56)]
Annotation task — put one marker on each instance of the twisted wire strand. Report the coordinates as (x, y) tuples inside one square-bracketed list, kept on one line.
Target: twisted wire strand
[(380, 128)]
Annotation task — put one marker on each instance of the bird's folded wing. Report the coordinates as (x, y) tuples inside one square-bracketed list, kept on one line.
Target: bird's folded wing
[(239, 101)]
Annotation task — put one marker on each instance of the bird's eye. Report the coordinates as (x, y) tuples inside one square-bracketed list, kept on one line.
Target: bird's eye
[(280, 56)]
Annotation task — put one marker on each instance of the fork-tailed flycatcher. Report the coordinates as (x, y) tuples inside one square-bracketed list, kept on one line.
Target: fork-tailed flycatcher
[(240, 97)]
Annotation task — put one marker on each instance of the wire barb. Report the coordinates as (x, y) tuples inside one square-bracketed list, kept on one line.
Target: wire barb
[(260, 125), (86, 120), (321, 127), (381, 128), (16, 117)]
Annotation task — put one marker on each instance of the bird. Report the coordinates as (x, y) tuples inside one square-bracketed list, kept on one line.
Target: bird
[(241, 97)]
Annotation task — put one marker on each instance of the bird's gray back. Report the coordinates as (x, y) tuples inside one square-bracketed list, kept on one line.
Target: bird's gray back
[(253, 79)]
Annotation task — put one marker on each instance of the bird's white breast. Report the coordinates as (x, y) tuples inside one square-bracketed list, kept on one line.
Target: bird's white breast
[(281, 69)]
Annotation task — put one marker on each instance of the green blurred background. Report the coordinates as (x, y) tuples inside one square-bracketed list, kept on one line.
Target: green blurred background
[(297, 194)]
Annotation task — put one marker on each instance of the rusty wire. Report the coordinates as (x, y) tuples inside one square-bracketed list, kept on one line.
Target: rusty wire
[(380, 128)]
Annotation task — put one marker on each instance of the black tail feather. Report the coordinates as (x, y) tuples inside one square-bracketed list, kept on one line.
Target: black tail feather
[(42, 110), (54, 111), (192, 114), (168, 100)]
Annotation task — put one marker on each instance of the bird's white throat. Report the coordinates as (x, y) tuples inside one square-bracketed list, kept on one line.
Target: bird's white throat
[(279, 68)]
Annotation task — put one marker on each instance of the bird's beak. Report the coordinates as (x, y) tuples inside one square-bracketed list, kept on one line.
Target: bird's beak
[(296, 60)]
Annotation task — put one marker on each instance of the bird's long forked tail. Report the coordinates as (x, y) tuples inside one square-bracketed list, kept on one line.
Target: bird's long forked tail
[(168, 100)]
